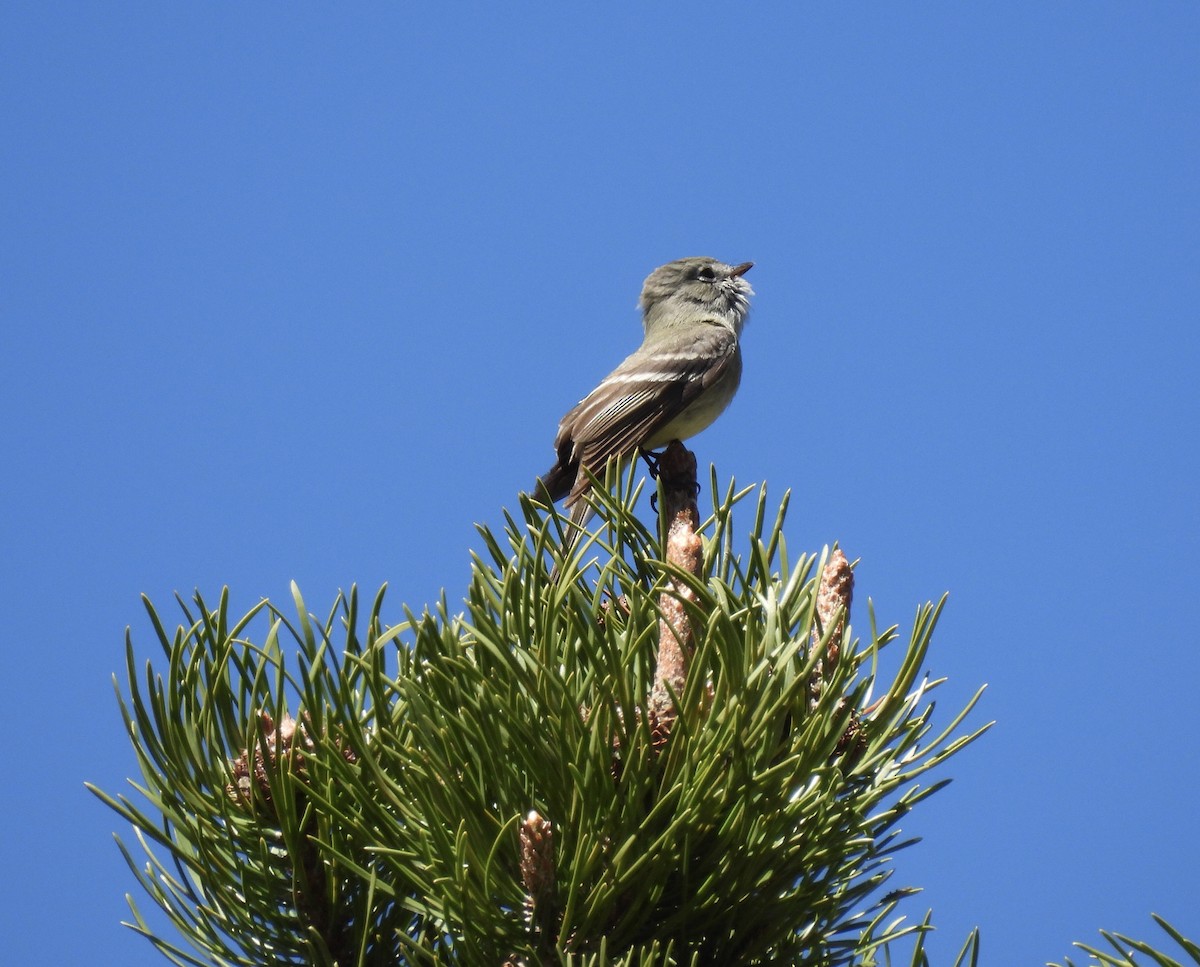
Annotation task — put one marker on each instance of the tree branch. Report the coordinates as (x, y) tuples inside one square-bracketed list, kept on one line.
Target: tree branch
[(676, 638)]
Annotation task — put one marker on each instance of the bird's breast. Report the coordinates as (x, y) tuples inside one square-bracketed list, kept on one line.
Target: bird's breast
[(704, 409)]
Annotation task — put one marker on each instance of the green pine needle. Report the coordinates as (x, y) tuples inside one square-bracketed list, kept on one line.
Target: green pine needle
[(340, 791)]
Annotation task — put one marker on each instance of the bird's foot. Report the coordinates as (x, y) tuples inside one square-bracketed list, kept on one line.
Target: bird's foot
[(654, 464), (652, 459)]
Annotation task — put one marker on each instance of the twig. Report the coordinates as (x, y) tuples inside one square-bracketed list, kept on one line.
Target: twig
[(676, 638)]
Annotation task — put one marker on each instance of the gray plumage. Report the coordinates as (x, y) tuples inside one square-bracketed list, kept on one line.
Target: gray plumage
[(678, 381)]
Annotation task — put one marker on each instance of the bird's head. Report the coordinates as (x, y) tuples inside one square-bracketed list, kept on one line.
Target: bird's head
[(694, 288)]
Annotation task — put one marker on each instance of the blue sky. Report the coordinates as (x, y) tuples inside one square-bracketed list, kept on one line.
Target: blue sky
[(301, 293)]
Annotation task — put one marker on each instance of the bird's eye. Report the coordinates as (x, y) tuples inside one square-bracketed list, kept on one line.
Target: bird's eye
[(706, 274)]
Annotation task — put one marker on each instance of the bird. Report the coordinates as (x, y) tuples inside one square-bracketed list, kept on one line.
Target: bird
[(674, 385)]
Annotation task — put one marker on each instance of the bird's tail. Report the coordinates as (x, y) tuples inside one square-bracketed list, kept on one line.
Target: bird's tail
[(563, 480), (581, 513), (555, 483)]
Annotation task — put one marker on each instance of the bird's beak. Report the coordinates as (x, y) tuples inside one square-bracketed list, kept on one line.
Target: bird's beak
[(741, 269)]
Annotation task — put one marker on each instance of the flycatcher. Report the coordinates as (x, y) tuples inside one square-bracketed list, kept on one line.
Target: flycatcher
[(680, 379)]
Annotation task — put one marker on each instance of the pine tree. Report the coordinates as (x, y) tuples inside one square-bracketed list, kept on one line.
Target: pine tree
[(679, 754)]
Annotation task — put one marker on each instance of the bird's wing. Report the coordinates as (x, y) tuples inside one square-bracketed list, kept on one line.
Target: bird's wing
[(640, 397)]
